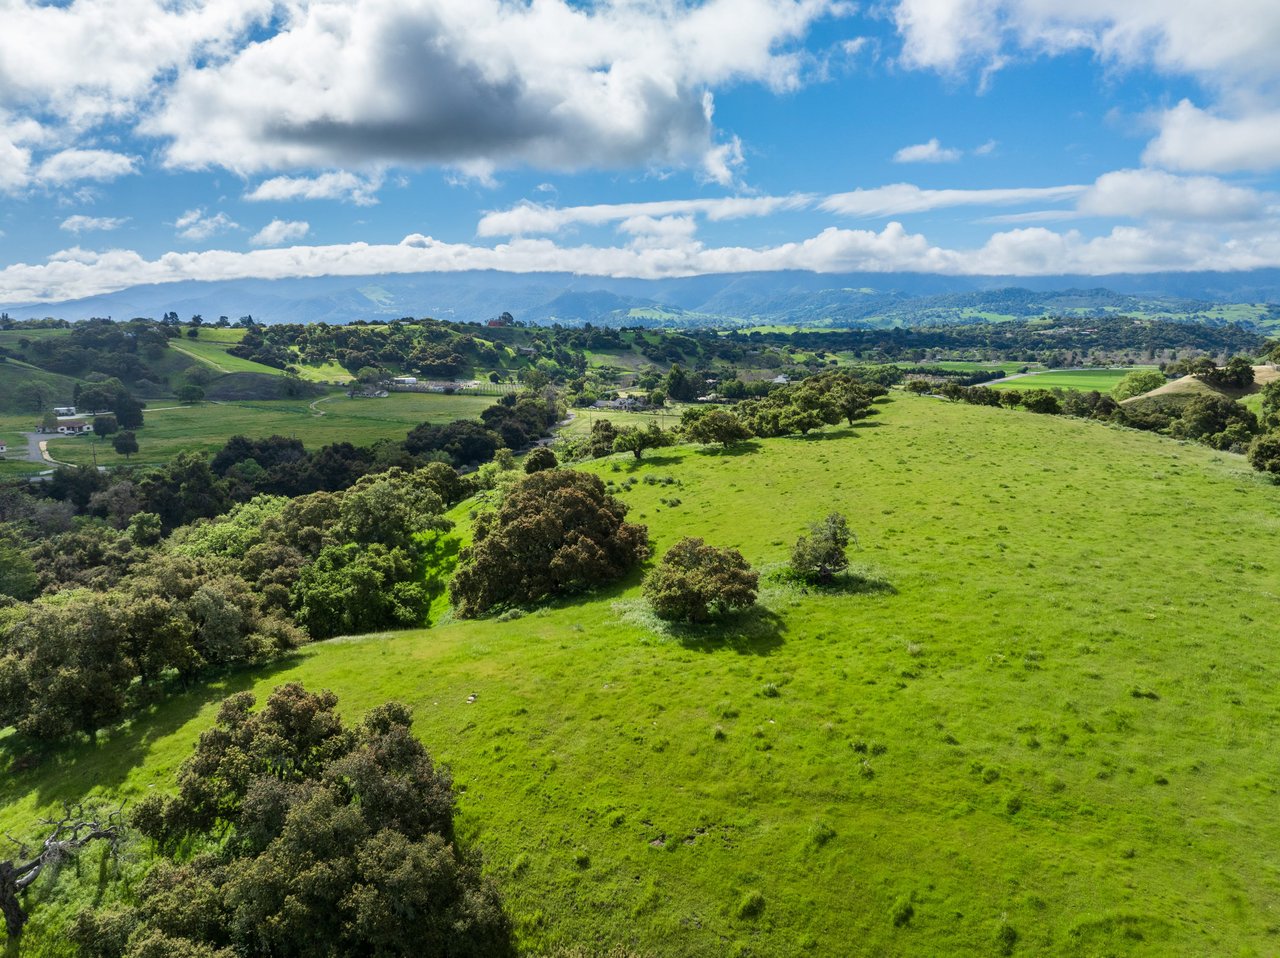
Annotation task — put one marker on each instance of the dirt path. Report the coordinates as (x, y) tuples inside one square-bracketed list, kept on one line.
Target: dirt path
[(319, 412), (200, 359), (38, 449)]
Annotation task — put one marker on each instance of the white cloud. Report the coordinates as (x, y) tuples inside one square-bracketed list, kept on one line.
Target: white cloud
[(482, 84), (668, 232), (901, 198), (931, 152), (338, 185), (1154, 194), (88, 60), (70, 166), (1228, 45), (1193, 139), (528, 218), (84, 224), (278, 232), (197, 225), (1021, 252), (1230, 41)]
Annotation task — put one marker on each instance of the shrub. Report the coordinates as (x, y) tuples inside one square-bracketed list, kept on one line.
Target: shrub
[(327, 835), (556, 533), (1264, 454), (818, 556), (540, 459), (695, 581)]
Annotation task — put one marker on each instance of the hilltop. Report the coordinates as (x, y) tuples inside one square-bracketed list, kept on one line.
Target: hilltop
[(1004, 733)]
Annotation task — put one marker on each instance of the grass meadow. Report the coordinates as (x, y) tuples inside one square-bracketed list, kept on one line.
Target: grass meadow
[(1006, 733), (1083, 380), (206, 427)]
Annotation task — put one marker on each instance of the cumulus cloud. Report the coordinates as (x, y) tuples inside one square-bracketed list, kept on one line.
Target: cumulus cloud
[(337, 185), (529, 218), (88, 60), (71, 166), (197, 225), (85, 224), (930, 152), (279, 232), (482, 84), (1155, 194), (1228, 41), (1193, 139), (1228, 45), (1032, 251)]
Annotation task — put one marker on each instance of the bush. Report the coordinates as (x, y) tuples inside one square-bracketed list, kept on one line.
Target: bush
[(556, 533), (330, 840), (1264, 454), (695, 581), (820, 555), (540, 459)]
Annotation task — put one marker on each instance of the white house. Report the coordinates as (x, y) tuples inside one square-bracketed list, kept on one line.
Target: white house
[(406, 380), (74, 427), (64, 410)]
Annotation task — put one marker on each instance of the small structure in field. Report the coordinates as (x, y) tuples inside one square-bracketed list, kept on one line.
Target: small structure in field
[(74, 427)]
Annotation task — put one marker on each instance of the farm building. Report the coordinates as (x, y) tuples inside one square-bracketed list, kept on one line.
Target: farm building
[(406, 380), (74, 427), (64, 410), (3, 449)]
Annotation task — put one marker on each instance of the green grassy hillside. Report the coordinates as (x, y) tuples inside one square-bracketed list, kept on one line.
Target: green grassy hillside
[(206, 427), (1084, 380), (1010, 732)]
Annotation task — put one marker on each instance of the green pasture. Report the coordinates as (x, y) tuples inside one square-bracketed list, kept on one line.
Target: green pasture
[(969, 366), (1082, 380), (212, 350), (205, 428), (1005, 734)]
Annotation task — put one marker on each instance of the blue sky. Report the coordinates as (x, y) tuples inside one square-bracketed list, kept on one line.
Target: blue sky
[(147, 141)]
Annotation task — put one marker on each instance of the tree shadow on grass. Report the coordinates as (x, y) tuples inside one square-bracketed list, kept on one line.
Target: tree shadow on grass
[(633, 463), (850, 582), (66, 773), (737, 449), (753, 631)]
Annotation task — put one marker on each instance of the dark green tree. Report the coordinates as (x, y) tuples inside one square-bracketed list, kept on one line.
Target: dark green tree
[(695, 582), (716, 426), (539, 459), (822, 554), (125, 443), (557, 532), (323, 839)]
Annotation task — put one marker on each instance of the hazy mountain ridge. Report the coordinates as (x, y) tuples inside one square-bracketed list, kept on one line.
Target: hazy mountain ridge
[(853, 299)]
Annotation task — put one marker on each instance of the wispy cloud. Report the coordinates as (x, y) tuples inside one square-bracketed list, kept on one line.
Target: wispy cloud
[(338, 185), (930, 152), (197, 225), (85, 224), (532, 218)]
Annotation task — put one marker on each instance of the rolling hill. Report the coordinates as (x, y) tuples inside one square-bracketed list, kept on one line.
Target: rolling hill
[(1004, 735)]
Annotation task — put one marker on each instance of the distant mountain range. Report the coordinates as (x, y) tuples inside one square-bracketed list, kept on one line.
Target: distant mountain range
[(744, 299)]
